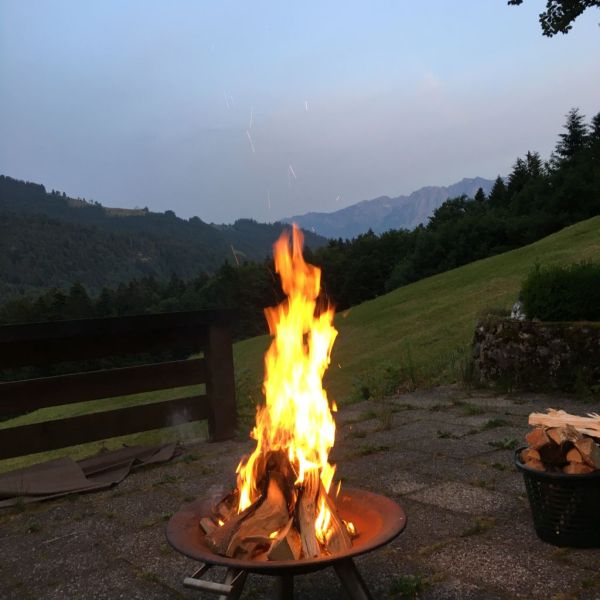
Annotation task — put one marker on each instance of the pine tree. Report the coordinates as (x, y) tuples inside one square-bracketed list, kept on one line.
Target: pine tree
[(518, 177), (78, 304), (594, 140), (535, 166), (480, 196), (497, 196), (573, 141)]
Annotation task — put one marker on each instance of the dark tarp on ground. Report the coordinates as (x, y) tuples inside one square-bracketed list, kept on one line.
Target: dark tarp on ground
[(63, 476)]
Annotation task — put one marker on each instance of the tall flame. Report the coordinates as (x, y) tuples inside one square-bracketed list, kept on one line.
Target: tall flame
[(296, 417)]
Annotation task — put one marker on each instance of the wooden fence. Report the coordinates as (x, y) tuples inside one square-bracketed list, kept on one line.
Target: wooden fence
[(45, 344)]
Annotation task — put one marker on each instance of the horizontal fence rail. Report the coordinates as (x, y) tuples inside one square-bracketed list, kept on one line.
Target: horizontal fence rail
[(43, 344)]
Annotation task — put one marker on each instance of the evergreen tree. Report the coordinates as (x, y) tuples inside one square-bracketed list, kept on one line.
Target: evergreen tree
[(535, 166), (78, 304), (480, 196), (498, 194), (595, 129), (517, 178), (573, 141)]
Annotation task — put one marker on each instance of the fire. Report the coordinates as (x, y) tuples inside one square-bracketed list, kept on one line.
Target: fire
[(296, 417)]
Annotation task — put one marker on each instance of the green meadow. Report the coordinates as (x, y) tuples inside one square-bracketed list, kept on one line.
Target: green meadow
[(418, 335)]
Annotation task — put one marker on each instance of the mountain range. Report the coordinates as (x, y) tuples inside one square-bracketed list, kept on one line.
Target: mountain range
[(385, 213)]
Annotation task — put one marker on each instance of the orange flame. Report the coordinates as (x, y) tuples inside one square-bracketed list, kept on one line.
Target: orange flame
[(296, 417)]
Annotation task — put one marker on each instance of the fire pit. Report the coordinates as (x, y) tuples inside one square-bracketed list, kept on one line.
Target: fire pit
[(378, 519), (285, 515)]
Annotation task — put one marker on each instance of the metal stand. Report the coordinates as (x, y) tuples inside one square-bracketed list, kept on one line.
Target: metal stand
[(230, 589), (235, 579), (352, 580)]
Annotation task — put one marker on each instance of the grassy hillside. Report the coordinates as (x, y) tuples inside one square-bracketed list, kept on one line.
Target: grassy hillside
[(418, 334), (421, 333)]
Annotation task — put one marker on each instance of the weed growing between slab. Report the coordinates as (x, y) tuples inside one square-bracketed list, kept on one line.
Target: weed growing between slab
[(408, 587), (504, 444), (480, 525)]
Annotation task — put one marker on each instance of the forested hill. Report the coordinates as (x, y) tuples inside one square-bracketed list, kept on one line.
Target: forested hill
[(51, 240)]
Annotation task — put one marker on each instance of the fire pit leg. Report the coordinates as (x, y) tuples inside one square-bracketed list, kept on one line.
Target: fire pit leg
[(236, 579), (284, 587), (352, 580), (230, 589)]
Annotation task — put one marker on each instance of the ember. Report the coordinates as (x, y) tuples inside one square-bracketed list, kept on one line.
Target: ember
[(283, 507)]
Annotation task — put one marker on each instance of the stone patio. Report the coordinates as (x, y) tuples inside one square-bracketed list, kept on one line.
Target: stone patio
[(439, 453)]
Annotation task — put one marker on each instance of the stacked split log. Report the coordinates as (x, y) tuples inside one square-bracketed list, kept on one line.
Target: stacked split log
[(560, 442), (280, 524)]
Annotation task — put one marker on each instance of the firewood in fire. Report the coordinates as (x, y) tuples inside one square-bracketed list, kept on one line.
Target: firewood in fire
[(218, 540), (252, 535), (227, 506), (207, 525), (339, 540), (307, 514), (287, 545)]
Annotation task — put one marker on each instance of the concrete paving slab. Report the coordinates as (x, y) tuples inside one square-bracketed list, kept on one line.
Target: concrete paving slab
[(469, 533), (464, 498)]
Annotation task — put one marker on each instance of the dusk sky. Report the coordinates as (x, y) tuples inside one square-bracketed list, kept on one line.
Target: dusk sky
[(268, 109)]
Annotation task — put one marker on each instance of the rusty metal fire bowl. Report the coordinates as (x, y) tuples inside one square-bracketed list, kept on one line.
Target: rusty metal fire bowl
[(377, 519)]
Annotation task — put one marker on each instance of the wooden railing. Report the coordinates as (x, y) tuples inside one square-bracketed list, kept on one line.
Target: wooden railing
[(47, 344)]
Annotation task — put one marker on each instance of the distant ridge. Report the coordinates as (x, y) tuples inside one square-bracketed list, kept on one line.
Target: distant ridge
[(51, 240), (384, 213)]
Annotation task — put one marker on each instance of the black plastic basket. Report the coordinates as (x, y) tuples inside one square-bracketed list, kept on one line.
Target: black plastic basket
[(565, 508)]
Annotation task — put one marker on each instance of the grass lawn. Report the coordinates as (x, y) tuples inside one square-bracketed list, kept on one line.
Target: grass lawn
[(417, 335), (421, 333)]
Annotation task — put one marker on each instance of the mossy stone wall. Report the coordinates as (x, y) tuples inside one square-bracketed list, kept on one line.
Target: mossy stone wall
[(537, 355)]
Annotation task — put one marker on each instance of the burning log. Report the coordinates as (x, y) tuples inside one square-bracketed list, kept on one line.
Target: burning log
[(253, 532), (307, 515), (563, 442), (339, 539), (287, 545), (280, 509), (219, 539)]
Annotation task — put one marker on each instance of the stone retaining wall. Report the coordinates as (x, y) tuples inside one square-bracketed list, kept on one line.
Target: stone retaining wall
[(537, 355)]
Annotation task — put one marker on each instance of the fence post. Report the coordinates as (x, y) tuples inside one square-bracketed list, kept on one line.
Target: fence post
[(220, 385)]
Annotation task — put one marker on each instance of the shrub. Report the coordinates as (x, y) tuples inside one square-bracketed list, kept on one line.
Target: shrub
[(570, 293)]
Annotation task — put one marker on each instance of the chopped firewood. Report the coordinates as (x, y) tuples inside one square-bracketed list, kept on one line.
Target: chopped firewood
[(271, 515), (218, 540), (537, 438), (207, 525), (553, 454), (529, 454), (590, 451), (287, 545), (339, 540), (589, 425), (574, 456), (307, 513), (538, 465), (227, 507), (576, 468), (560, 435)]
